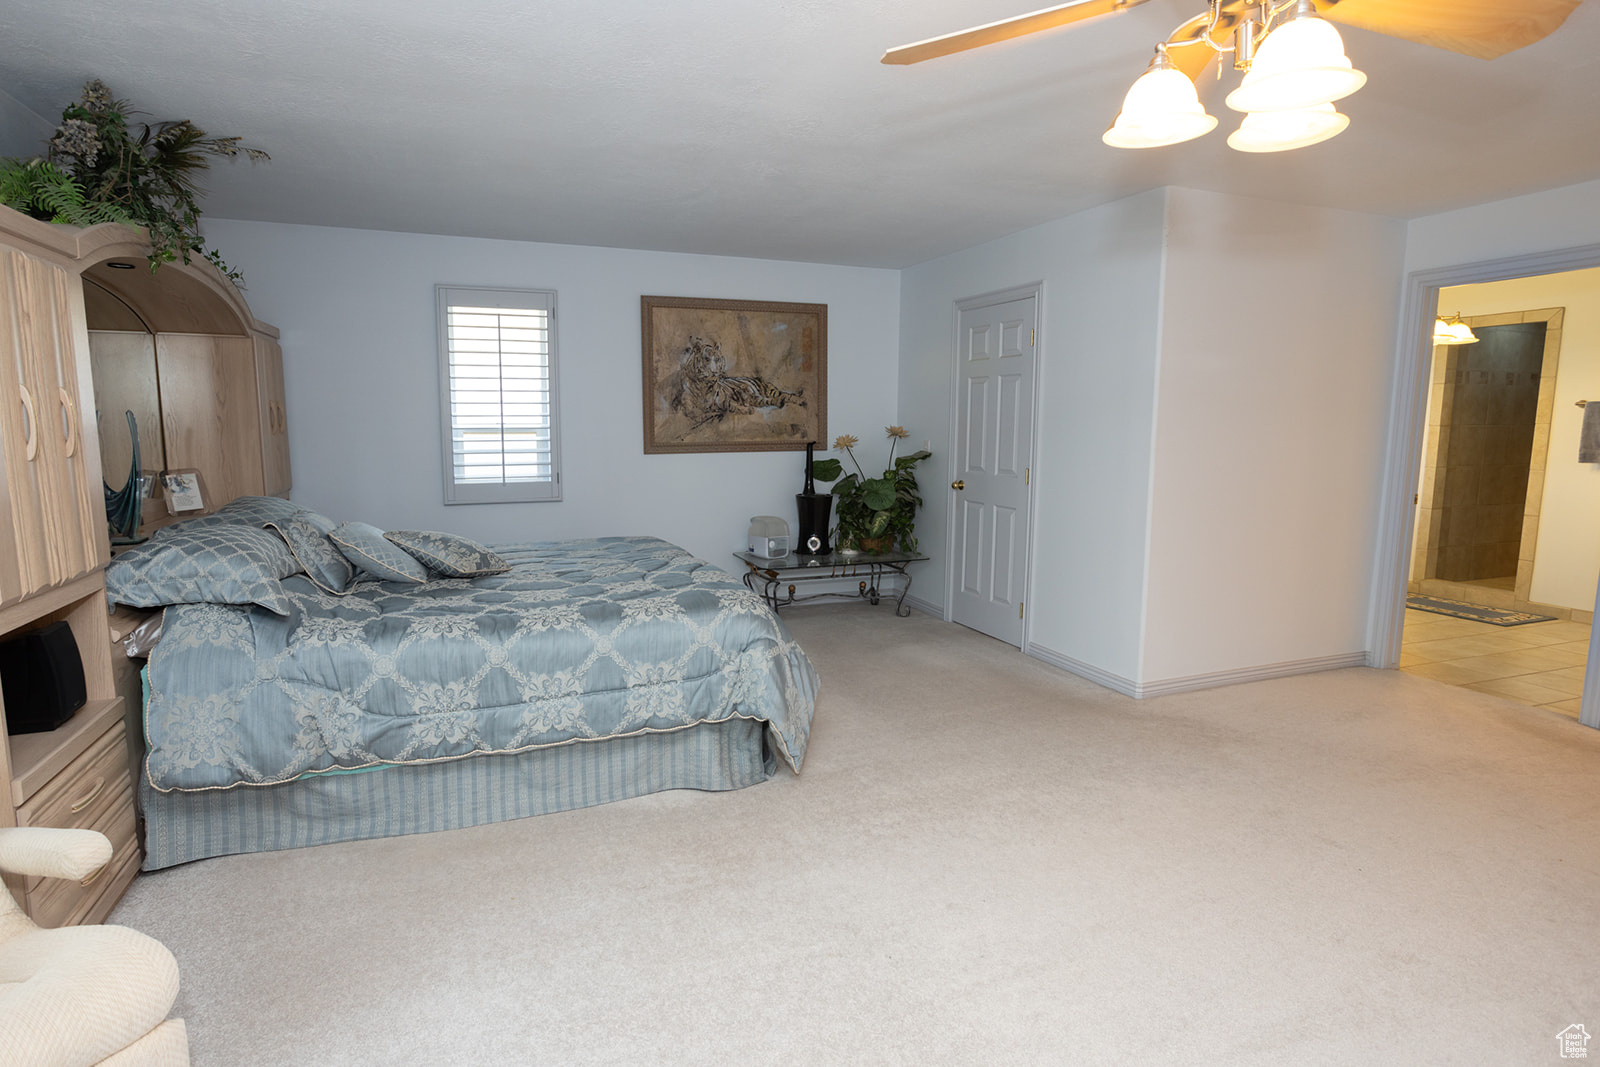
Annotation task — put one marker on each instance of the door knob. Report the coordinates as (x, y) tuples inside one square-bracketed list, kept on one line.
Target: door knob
[(958, 484)]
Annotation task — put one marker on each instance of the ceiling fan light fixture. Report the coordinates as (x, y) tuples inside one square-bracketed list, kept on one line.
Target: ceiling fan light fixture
[(1300, 64), (1279, 131), (1161, 108)]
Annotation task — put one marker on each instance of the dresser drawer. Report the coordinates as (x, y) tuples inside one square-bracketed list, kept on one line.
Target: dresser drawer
[(86, 792), (53, 901), (74, 795)]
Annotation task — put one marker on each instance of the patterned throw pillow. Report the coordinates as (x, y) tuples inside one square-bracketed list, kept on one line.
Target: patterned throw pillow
[(321, 522), (253, 511), (451, 555), (319, 557), (226, 563), (363, 545)]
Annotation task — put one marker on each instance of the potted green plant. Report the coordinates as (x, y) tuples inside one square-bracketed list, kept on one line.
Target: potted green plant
[(100, 167), (874, 514)]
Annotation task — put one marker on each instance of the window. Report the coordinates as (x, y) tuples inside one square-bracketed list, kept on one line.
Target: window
[(497, 383)]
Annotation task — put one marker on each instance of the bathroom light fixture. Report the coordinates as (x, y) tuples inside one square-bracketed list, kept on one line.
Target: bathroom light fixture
[(1294, 69), (1453, 331), (1162, 108)]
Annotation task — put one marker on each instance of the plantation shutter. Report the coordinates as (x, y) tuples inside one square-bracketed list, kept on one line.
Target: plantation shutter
[(497, 360)]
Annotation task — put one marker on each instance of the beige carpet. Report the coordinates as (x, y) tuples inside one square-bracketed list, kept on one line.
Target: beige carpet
[(986, 861)]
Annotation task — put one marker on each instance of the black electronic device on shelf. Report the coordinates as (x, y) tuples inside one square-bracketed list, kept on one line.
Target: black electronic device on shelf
[(41, 675), (815, 511)]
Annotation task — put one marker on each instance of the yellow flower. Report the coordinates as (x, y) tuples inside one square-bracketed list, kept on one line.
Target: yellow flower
[(846, 440), (897, 432)]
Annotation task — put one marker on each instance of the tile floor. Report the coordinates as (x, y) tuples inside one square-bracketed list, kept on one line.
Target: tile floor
[(1540, 663)]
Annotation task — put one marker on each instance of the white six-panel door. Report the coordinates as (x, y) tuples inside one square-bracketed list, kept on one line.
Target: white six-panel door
[(994, 441)]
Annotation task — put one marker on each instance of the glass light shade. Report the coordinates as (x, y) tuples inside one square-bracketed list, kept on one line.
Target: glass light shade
[(1162, 108), (1301, 64), (1279, 131), (1453, 333)]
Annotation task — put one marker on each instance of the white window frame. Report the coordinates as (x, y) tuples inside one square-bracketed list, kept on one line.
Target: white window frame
[(506, 492)]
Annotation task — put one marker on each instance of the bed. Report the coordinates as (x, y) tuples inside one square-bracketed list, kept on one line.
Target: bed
[(577, 673)]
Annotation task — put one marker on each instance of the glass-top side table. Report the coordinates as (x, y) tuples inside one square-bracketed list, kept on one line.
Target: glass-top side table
[(775, 579)]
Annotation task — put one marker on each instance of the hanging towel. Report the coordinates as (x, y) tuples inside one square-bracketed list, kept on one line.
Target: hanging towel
[(1589, 437)]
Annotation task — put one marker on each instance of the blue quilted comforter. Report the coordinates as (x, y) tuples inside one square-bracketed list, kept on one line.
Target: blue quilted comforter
[(581, 640)]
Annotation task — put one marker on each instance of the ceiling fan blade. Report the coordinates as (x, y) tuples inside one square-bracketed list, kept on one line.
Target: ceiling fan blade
[(1482, 28), (1006, 29)]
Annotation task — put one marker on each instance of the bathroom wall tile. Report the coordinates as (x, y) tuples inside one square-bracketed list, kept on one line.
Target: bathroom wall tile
[(1511, 520), (1501, 404), (1582, 616), (1536, 485), (1540, 443), (1530, 535), (1439, 369), (1554, 317), (1461, 488), (1547, 402), (1502, 319), (1471, 406), (1524, 579)]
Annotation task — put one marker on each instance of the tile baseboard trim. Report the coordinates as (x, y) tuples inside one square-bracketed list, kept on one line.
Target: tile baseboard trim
[(1190, 683)]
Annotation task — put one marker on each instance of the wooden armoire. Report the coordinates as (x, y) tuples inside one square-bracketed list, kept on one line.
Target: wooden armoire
[(73, 304)]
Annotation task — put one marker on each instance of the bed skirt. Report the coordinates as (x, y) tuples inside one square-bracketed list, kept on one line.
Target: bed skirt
[(421, 798)]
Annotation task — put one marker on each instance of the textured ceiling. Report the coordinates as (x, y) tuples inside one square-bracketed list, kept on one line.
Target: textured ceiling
[(768, 130)]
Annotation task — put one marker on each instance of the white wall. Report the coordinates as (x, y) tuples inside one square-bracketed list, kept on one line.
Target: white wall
[(1539, 222), (1276, 349), (1101, 271), (356, 309), (1567, 554), (23, 132)]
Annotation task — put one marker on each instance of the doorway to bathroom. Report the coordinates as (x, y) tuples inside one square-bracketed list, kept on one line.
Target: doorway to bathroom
[(1504, 504), (1485, 452)]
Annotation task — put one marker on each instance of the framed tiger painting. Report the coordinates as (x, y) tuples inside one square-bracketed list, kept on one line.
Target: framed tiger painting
[(733, 375)]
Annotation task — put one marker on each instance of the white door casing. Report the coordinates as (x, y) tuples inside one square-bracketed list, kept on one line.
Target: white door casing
[(996, 369)]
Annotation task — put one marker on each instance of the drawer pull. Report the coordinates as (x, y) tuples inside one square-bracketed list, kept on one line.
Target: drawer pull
[(88, 798), (91, 879)]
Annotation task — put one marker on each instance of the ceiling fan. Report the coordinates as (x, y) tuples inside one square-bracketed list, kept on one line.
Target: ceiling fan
[(1306, 67)]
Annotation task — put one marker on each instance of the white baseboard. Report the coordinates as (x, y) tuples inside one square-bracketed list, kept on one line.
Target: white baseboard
[(1125, 686), (1190, 683), (1252, 674), (927, 607)]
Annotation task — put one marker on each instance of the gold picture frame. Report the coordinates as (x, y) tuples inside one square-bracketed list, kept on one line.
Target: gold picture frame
[(733, 375)]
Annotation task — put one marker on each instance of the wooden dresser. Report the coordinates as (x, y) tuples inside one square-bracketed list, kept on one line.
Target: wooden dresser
[(53, 539)]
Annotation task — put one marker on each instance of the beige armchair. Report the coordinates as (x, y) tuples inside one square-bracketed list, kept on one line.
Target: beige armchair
[(82, 994)]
